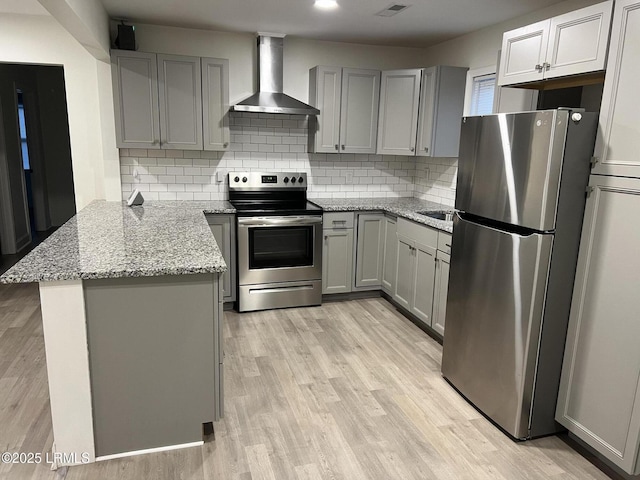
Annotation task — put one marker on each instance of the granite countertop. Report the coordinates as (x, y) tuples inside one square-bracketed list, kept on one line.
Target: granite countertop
[(111, 240), (405, 207)]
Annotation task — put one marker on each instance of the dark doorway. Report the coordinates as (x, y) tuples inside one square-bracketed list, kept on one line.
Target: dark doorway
[(36, 187)]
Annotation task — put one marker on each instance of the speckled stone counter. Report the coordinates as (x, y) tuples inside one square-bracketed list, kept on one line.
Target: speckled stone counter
[(402, 207), (111, 240)]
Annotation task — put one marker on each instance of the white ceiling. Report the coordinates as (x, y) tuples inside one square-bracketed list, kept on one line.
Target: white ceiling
[(426, 22)]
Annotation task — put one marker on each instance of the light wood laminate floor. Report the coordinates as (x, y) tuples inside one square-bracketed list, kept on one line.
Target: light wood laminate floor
[(348, 390)]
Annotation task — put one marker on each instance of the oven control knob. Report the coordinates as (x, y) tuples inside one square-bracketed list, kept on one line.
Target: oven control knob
[(300, 180), (244, 179), (237, 179), (293, 179), (285, 179)]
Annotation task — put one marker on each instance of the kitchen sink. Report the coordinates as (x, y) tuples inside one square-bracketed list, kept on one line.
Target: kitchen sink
[(446, 215)]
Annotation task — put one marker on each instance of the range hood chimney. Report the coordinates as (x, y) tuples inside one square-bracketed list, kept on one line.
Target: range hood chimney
[(270, 98)]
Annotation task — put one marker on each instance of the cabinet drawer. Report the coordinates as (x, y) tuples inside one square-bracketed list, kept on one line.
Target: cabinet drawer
[(444, 242), (337, 220), (417, 232)]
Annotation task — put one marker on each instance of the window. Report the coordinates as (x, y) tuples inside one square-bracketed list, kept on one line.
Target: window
[(481, 85), (482, 95), (23, 133)]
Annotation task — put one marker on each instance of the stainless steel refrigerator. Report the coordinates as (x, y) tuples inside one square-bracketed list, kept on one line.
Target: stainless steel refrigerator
[(521, 190)]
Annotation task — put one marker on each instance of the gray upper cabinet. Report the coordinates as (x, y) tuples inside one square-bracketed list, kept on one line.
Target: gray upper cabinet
[(180, 87), (325, 87), (215, 103), (359, 110), (599, 397), (618, 142), (440, 113), (390, 255), (348, 101), (135, 95), (369, 250), (568, 44), (223, 228), (398, 118), (170, 101)]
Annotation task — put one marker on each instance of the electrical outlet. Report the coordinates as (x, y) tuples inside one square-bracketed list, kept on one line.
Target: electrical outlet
[(220, 176), (348, 178)]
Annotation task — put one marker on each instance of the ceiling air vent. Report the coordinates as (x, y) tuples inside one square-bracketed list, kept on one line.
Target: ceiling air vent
[(392, 9)]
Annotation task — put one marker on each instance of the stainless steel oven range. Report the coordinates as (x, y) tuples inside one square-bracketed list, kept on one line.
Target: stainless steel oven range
[(279, 241)]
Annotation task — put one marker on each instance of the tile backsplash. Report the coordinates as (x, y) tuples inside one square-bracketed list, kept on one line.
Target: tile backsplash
[(270, 143)]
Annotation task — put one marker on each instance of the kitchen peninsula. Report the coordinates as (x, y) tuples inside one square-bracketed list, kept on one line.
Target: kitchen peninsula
[(132, 317)]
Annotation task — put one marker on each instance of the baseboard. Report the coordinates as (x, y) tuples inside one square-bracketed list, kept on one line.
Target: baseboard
[(342, 297), (415, 320), (600, 462)]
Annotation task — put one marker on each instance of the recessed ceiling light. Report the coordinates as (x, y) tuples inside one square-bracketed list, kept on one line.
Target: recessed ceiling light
[(326, 4)]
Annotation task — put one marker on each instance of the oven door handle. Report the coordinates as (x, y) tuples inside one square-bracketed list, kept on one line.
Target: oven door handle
[(279, 221)]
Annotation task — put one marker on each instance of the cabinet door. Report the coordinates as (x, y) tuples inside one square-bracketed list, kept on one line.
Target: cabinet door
[(369, 250), (337, 261), (448, 108), (135, 97), (427, 110), (523, 52), (599, 398), (423, 281), (359, 110), (578, 41), (215, 103), (398, 119), (223, 229), (390, 255), (441, 288), (180, 85), (404, 284), (325, 86), (618, 142)]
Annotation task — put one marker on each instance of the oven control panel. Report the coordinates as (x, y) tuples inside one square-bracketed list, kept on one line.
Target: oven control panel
[(259, 181)]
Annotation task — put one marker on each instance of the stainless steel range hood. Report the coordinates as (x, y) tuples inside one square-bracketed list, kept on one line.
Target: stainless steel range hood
[(270, 98)]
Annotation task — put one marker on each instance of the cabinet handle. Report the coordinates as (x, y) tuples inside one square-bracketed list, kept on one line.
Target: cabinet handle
[(337, 146), (225, 144), (547, 66), (539, 67), (426, 149), (343, 147), (412, 149)]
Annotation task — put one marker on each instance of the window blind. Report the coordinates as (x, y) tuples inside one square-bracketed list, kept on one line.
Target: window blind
[(482, 95)]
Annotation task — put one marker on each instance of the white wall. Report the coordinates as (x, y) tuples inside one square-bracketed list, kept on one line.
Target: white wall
[(41, 40), (299, 55)]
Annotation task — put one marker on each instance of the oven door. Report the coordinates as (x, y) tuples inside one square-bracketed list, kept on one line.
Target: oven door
[(279, 249)]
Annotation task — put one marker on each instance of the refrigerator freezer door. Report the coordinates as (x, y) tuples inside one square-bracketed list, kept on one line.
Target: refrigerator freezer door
[(495, 305), (510, 165)]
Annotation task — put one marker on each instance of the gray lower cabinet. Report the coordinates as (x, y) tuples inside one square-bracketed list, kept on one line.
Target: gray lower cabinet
[(337, 252), (390, 255), (441, 288), (599, 397), (337, 261), (369, 258), (416, 269), (224, 231)]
